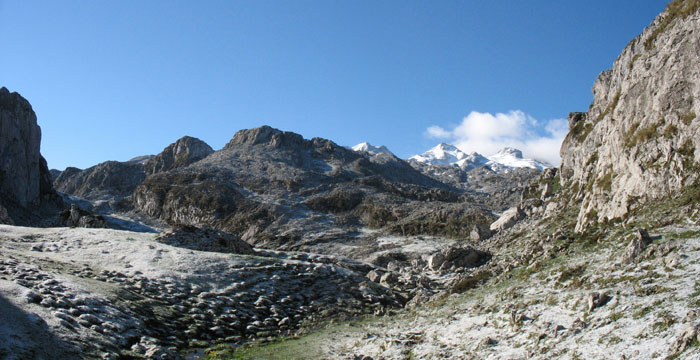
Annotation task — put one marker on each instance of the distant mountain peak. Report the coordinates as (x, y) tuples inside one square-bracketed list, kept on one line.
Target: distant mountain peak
[(511, 151), (505, 159), (509, 158), (371, 149)]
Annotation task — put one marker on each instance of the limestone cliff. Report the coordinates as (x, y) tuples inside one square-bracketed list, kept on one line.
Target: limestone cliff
[(25, 181), (639, 139)]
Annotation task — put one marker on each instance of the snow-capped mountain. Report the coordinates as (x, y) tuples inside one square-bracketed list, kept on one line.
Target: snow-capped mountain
[(373, 150), (507, 158), (513, 158), (443, 154)]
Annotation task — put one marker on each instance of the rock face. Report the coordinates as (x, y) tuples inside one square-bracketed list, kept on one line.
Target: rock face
[(638, 141), (105, 181), (183, 152), (25, 181)]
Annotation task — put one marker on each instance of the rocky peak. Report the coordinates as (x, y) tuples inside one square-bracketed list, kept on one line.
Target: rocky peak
[(509, 151), (24, 175), (183, 152), (442, 154), (638, 141), (371, 149), (265, 135)]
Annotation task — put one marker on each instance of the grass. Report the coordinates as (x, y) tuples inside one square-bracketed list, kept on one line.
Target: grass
[(634, 58), (642, 312), (574, 273), (670, 131), (636, 136), (605, 182), (688, 118), (616, 316), (676, 9)]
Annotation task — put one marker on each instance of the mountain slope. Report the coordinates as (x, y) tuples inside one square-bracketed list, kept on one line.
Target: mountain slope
[(276, 188)]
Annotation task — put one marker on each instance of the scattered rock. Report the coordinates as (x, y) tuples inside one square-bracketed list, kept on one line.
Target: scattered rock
[(686, 337), (480, 232), (596, 300), (637, 246), (435, 261)]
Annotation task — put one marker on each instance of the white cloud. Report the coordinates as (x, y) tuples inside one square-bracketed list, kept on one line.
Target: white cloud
[(436, 132), (487, 133)]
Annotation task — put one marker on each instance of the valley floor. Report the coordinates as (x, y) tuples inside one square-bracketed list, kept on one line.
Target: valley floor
[(589, 304)]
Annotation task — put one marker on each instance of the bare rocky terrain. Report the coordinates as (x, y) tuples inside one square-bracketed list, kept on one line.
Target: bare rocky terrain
[(276, 246)]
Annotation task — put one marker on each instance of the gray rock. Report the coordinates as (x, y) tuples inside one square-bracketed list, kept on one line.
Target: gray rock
[(183, 152), (636, 246), (204, 239), (435, 261), (596, 300), (480, 232), (374, 276), (690, 333), (464, 257), (507, 219), (25, 181)]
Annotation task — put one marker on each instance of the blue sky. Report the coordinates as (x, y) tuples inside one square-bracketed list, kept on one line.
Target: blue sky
[(114, 80)]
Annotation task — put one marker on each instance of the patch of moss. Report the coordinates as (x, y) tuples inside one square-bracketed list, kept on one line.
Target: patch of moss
[(670, 131), (580, 130), (688, 118), (636, 136), (676, 9), (605, 182), (634, 58)]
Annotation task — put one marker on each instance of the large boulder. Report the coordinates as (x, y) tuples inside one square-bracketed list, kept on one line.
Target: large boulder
[(507, 219)]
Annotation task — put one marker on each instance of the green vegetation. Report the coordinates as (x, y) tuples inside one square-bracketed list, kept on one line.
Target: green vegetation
[(642, 312), (574, 273), (665, 321), (605, 182), (634, 58), (616, 316), (580, 130), (688, 118), (687, 150), (670, 131), (637, 136), (676, 9)]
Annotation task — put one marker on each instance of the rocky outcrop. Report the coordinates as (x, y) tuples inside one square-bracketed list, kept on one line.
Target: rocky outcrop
[(183, 152), (638, 141), (77, 217), (204, 239), (25, 182), (110, 180)]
